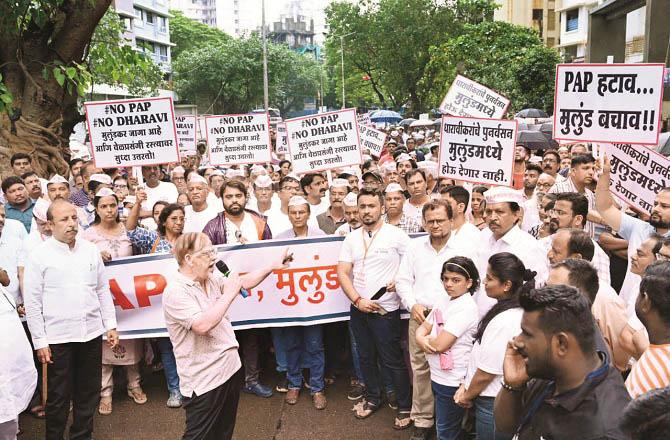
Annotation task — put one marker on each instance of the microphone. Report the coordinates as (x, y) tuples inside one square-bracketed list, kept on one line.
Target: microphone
[(238, 235), (223, 268), (370, 234)]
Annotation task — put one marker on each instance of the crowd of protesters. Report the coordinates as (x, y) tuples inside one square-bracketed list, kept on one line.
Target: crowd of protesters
[(536, 311)]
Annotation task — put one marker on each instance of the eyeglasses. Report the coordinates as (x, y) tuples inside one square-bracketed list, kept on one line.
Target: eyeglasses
[(206, 251), (120, 186)]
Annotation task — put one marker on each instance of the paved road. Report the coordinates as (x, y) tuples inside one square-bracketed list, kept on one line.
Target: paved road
[(262, 419)]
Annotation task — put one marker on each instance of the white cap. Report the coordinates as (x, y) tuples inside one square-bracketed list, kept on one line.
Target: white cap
[(189, 153), (102, 178), (429, 167), (351, 170), (216, 172), (351, 199), (276, 167), (366, 157), (258, 169), (196, 178), (393, 187), (177, 169), (394, 133), (263, 181), (403, 157), (499, 194), (297, 201), (389, 166), (339, 183), (234, 173), (57, 178), (418, 136), (104, 192), (130, 199), (40, 209)]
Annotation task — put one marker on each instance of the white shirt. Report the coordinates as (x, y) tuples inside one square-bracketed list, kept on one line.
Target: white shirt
[(343, 230), (163, 192), (517, 242), (215, 202), (489, 355), (413, 211), (247, 229), (279, 222), (531, 215), (18, 376), (11, 254), (67, 295), (196, 221), (311, 232), (467, 236), (418, 279), (600, 260), (322, 207), (460, 319), (376, 267)]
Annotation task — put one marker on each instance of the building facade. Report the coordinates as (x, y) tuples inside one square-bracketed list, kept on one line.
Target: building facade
[(537, 14), (203, 11)]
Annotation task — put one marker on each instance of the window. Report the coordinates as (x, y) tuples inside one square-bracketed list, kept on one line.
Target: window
[(572, 20), (128, 23), (551, 20), (162, 52), (163, 24), (150, 18), (138, 21)]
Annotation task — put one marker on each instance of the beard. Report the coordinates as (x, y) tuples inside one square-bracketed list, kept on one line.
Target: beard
[(541, 368), (234, 209), (657, 222), (553, 226), (367, 221)]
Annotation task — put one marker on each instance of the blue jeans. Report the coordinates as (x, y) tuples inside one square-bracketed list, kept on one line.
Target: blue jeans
[(448, 415), (304, 345), (484, 420), (379, 335), (387, 379), (280, 348), (169, 363)]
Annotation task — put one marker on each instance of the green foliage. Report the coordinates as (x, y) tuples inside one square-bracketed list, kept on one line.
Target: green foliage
[(6, 98), (189, 35)]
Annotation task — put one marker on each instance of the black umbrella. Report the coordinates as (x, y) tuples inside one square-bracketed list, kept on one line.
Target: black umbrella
[(547, 129), (406, 122), (533, 140), (531, 113)]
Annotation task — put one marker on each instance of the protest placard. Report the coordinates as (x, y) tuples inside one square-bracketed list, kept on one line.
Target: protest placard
[(238, 139), (201, 126), (324, 141), (638, 174), (363, 119), (608, 102), (372, 139), (186, 132), (469, 98), (477, 150), (282, 141), (132, 132)]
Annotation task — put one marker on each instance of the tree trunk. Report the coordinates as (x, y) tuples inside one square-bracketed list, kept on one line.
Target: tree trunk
[(44, 113)]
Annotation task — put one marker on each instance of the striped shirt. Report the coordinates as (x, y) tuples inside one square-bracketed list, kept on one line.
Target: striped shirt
[(651, 372)]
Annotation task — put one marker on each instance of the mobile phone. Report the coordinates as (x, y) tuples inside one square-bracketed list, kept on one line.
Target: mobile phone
[(378, 294)]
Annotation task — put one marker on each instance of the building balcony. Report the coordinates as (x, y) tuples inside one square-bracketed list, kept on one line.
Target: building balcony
[(124, 8)]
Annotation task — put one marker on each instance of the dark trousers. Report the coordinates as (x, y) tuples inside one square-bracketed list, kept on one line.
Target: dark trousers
[(75, 375), (211, 416), (379, 335), (249, 346)]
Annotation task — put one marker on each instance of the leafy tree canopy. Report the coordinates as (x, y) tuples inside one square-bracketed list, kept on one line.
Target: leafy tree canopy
[(189, 35)]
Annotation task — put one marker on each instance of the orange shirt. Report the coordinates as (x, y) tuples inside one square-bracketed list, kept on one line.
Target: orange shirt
[(651, 372)]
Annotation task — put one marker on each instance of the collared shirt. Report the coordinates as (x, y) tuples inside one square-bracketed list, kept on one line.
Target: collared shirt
[(517, 242), (590, 411), (418, 279), (25, 216), (290, 233), (610, 314), (468, 236), (650, 372), (568, 185), (79, 198), (327, 223), (600, 260), (204, 362), (12, 254), (409, 225), (66, 294)]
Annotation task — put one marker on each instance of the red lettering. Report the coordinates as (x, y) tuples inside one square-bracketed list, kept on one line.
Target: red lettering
[(120, 298), (143, 291)]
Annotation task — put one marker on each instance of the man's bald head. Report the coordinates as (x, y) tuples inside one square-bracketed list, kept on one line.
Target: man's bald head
[(58, 207)]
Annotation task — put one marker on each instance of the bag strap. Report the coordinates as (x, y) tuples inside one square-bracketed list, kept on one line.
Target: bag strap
[(155, 245)]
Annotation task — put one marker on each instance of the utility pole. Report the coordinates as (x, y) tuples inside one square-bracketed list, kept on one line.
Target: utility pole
[(265, 59), (344, 96)]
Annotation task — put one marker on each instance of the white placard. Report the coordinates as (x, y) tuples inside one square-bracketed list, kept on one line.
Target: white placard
[(132, 132), (281, 140), (363, 119), (372, 139), (186, 132), (469, 98), (478, 150), (638, 174), (608, 102), (324, 141), (238, 139), (202, 131)]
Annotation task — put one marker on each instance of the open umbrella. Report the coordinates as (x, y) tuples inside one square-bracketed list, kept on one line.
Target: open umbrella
[(437, 123), (547, 129), (531, 113), (406, 122), (422, 123), (385, 116), (533, 140)]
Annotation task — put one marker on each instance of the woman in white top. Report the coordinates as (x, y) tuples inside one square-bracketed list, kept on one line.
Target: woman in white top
[(506, 278), (446, 336)]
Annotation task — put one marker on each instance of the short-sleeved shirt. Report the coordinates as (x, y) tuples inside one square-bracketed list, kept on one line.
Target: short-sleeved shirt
[(460, 317), (489, 354), (375, 261), (12, 254), (204, 362), (25, 216), (149, 242), (651, 372)]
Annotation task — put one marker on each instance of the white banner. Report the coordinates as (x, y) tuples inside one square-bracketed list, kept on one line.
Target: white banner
[(282, 139), (363, 119), (132, 132), (477, 150), (608, 102), (638, 174), (324, 141), (238, 139), (186, 132), (372, 139), (469, 98)]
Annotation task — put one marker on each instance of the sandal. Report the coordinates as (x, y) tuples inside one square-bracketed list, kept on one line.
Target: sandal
[(137, 395), (402, 421), (365, 410), (105, 406), (38, 412)]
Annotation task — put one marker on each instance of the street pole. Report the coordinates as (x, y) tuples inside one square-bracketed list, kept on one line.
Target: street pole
[(265, 59), (342, 55)]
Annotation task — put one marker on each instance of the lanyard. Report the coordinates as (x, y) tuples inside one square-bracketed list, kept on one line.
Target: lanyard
[(367, 246), (10, 302)]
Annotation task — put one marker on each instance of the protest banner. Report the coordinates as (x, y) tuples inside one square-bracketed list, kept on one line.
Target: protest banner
[(477, 150), (363, 119), (201, 126), (372, 139), (186, 132), (638, 174), (608, 102), (282, 141), (324, 141), (238, 139), (469, 98), (132, 132)]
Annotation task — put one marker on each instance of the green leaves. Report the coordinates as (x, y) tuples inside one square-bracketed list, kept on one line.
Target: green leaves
[(6, 98)]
